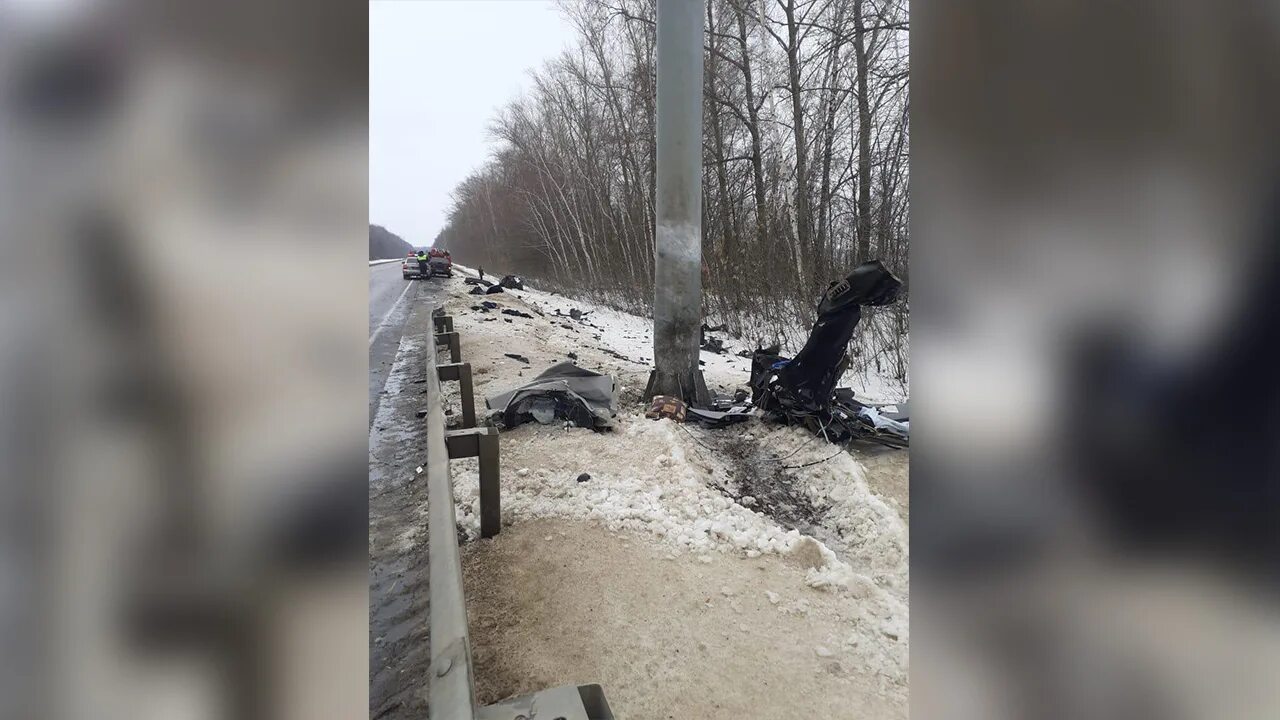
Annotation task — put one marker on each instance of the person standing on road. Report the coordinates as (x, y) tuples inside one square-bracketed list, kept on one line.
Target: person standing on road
[(422, 264), (481, 272)]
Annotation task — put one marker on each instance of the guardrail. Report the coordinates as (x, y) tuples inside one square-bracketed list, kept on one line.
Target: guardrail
[(451, 686)]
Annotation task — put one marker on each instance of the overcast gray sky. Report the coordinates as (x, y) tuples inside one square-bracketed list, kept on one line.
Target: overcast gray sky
[(438, 72)]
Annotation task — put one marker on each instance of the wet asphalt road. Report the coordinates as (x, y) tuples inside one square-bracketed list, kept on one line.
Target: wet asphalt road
[(399, 608), (390, 298)]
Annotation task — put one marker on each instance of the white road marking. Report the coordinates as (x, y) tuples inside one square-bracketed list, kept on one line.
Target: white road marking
[(383, 322)]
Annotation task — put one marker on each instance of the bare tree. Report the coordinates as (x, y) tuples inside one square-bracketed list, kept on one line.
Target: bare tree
[(805, 153)]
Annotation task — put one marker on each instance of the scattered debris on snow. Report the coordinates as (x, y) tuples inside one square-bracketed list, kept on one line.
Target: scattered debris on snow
[(656, 478), (629, 337)]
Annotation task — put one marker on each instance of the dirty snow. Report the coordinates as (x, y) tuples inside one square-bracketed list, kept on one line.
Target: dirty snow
[(642, 479), (869, 532), (663, 480), (661, 635), (651, 477)]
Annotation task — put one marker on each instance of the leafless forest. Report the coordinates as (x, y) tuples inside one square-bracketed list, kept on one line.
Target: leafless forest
[(805, 162)]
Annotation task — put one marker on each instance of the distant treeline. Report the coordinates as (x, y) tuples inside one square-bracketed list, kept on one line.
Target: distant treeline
[(385, 244)]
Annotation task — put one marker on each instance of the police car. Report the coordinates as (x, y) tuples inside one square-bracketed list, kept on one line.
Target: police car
[(409, 268)]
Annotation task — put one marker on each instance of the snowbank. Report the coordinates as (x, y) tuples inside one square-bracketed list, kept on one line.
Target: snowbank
[(653, 477), (642, 479), (868, 532)]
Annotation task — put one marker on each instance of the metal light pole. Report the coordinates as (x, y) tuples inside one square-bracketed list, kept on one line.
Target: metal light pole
[(677, 301)]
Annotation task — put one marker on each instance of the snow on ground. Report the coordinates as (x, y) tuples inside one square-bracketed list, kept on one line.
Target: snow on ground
[(686, 488), (653, 478), (643, 478), (683, 486), (631, 336)]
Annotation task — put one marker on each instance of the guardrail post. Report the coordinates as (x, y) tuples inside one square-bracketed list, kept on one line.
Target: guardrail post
[(483, 443), (443, 323), (455, 348), (461, 372)]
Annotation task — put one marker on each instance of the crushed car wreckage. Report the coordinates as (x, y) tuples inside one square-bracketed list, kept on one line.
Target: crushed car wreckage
[(484, 287), (801, 390), (563, 391)]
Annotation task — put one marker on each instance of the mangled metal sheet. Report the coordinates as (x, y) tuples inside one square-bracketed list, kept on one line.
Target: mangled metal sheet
[(721, 418), (563, 391), (801, 390)]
